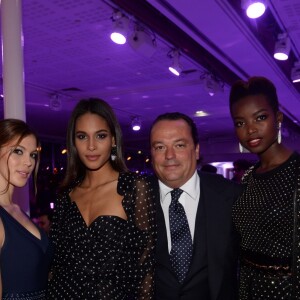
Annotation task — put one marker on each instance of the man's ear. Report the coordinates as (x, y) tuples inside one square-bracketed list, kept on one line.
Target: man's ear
[(197, 151)]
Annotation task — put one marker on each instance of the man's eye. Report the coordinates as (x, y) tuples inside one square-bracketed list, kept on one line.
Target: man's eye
[(159, 148), (180, 145)]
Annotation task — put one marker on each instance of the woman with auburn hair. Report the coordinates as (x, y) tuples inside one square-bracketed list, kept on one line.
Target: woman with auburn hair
[(25, 252)]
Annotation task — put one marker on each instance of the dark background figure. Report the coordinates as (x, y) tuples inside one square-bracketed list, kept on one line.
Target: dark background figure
[(44, 220), (209, 168), (240, 166), (203, 264)]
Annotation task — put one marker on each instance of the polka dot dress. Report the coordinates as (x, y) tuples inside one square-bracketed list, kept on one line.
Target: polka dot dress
[(181, 240), (264, 217), (110, 259)]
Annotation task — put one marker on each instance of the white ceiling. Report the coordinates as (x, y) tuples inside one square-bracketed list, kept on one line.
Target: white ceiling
[(68, 52)]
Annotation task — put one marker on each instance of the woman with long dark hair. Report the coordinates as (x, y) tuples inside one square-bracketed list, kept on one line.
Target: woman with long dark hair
[(103, 226)]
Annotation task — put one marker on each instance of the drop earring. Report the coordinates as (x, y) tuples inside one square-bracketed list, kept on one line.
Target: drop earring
[(113, 153), (279, 133), (241, 148)]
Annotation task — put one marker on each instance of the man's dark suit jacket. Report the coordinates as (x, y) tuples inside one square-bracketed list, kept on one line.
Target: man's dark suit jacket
[(214, 240)]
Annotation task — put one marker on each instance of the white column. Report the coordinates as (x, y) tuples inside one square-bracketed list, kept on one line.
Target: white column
[(12, 59), (13, 73)]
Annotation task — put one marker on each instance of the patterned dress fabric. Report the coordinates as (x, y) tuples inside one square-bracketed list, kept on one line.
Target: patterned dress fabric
[(112, 258), (264, 218), (181, 239), (24, 260)]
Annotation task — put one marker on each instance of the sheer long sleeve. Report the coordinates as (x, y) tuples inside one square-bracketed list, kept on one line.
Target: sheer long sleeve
[(138, 263)]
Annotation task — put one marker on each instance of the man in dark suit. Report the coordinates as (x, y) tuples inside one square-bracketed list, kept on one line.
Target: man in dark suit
[(199, 213)]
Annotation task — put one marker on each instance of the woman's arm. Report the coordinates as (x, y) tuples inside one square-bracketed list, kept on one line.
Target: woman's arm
[(146, 222)]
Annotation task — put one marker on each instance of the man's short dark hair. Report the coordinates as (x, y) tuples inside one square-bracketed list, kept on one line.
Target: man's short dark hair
[(174, 116)]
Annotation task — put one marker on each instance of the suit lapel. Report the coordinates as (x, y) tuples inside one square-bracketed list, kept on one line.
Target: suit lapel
[(162, 241), (216, 234), (195, 263), (162, 252), (216, 231)]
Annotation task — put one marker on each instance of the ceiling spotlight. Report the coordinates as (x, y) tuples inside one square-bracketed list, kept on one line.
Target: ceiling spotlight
[(211, 84), (282, 47), (136, 123), (143, 43), (175, 68), (201, 113), (121, 24), (254, 8), (295, 75)]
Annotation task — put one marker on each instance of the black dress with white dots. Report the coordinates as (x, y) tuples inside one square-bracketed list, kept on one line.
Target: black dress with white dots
[(264, 218), (112, 258)]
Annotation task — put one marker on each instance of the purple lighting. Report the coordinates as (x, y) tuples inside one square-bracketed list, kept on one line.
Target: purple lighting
[(118, 38), (254, 8), (282, 47), (136, 124), (120, 30), (175, 68)]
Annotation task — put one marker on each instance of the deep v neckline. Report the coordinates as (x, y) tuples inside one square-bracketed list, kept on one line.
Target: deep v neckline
[(88, 226), (14, 220)]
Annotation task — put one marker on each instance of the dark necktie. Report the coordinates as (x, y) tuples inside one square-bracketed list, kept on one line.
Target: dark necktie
[(181, 240)]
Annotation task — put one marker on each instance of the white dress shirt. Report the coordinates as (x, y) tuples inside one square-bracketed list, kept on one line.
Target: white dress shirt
[(189, 200)]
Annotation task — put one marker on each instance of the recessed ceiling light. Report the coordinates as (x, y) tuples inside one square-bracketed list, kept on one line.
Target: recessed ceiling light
[(254, 8), (201, 113)]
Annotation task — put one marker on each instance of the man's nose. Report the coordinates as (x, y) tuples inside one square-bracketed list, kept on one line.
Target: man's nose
[(170, 153)]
